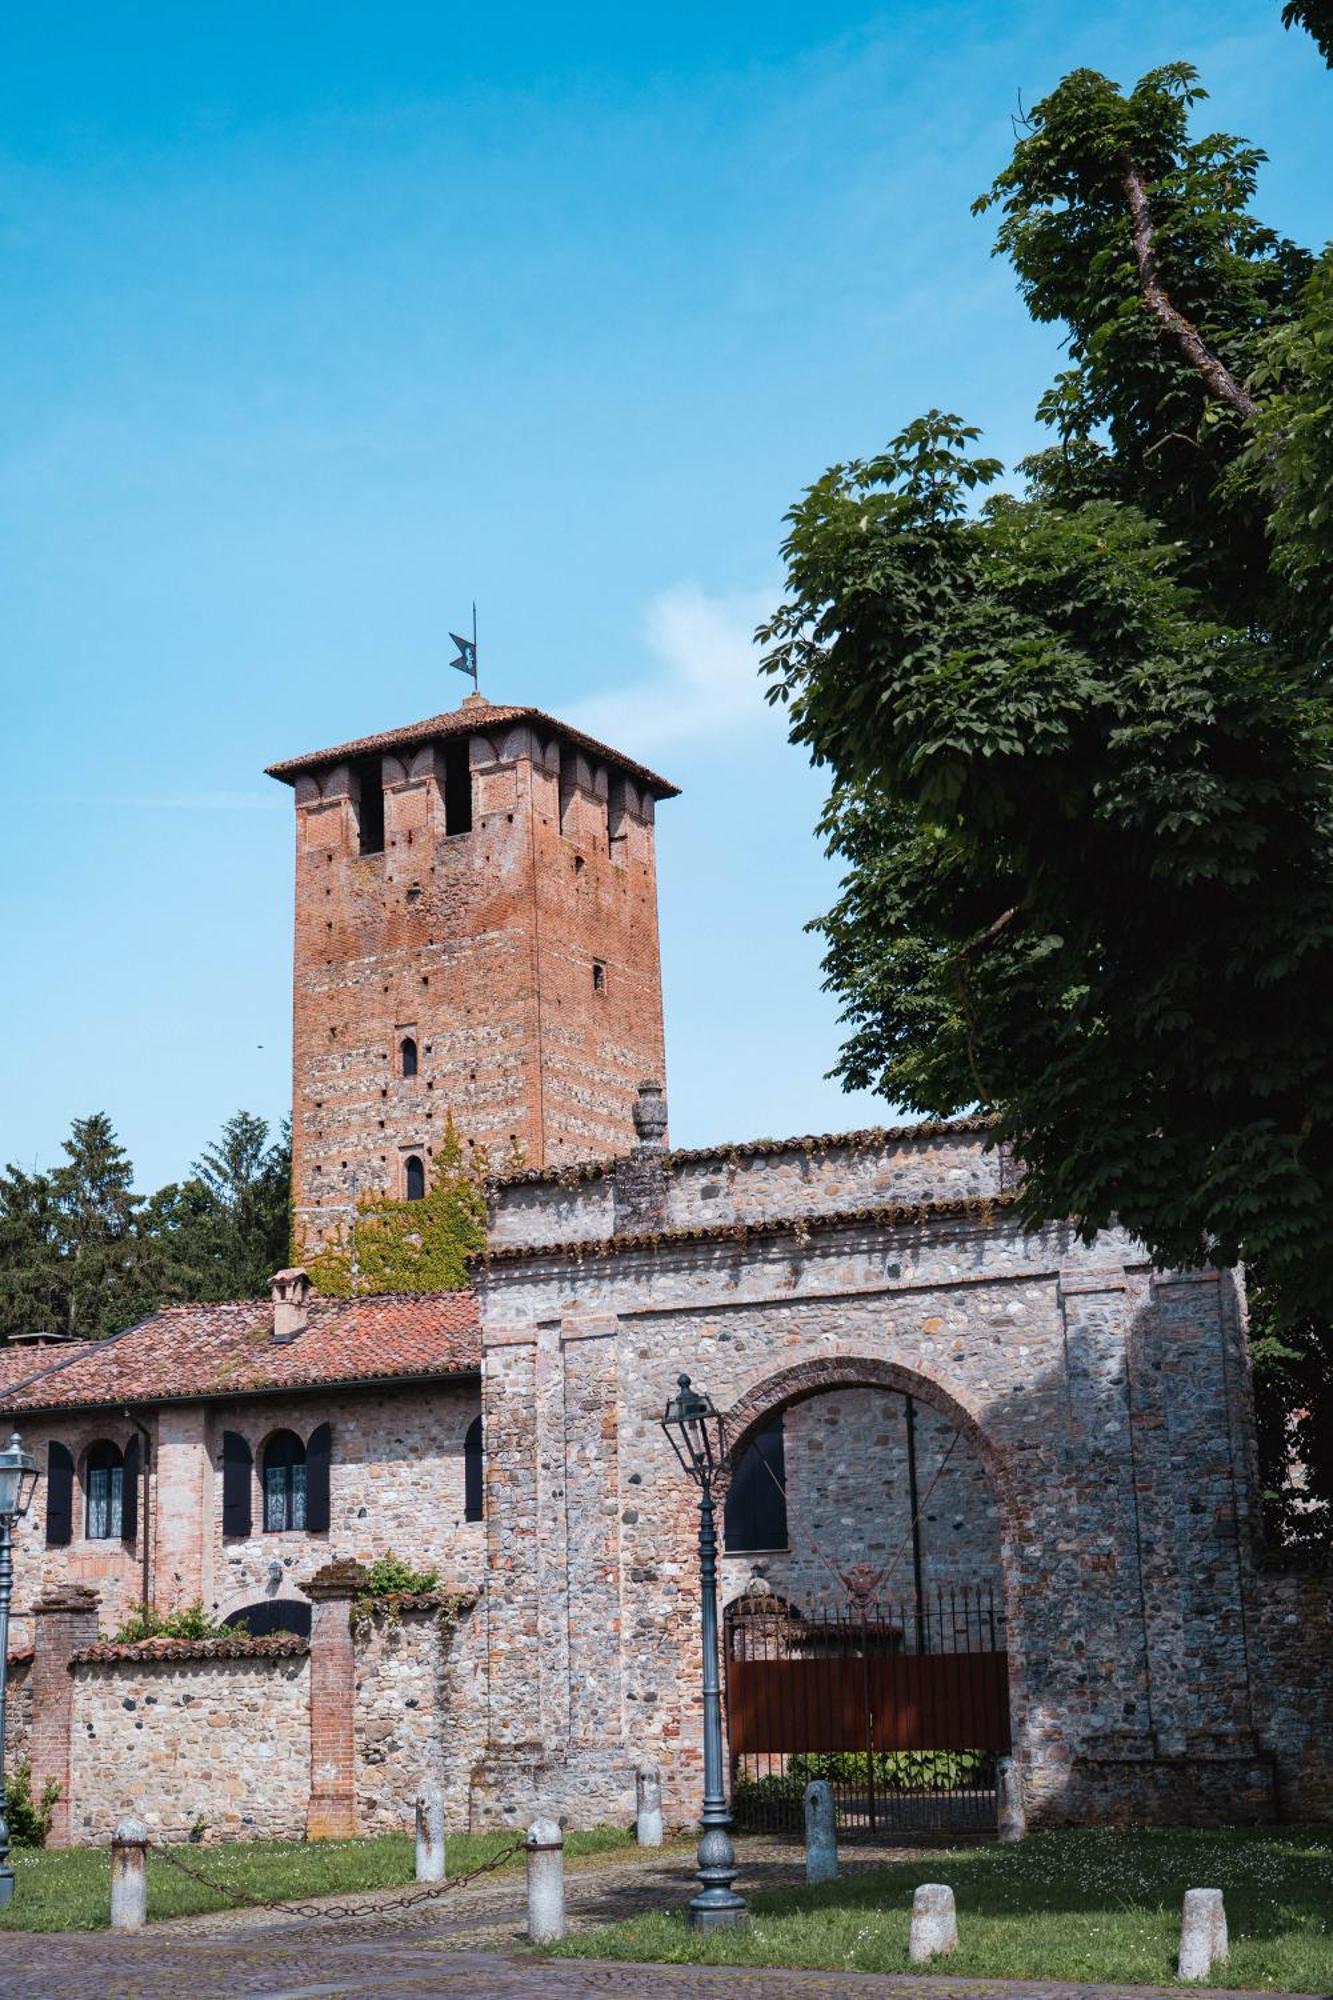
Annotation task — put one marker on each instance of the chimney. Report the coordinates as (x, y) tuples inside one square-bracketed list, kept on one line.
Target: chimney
[(290, 1292)]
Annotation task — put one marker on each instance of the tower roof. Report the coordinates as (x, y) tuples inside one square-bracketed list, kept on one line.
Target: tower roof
[(476, 713)]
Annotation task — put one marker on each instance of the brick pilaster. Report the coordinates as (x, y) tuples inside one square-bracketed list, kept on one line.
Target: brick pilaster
[(332, 1811), (64, 1622)]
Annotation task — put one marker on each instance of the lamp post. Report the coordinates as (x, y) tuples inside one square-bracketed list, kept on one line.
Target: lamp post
[(694, 1429), (18, 1477)]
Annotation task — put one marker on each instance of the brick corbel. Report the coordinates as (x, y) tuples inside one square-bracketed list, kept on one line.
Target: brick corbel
[(64, 1622), (331, 1814)]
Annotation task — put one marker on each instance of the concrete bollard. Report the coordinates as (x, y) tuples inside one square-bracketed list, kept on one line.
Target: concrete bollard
[(129, 1875), (1203, 1933), (821, 1832), (1011, 1820), (934, 1922), (546, 1881), (648, 1806), (430, 1862)]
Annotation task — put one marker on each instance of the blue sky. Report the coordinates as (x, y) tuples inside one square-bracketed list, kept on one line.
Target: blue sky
[(320, 321)]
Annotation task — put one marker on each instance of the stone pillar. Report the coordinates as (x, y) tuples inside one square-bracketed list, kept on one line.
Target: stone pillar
[(430, 1849), (64, 1622), (821, 1832), (129, 1874), (332, 1811), (546, 1881), (648, 1806)]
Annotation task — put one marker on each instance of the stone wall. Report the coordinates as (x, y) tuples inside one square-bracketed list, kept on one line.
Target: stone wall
[(848, 1506), (1106, 1406), (1294, 1641), (18, 1710), (420, 1709), (396, 1483), (216, 1744)]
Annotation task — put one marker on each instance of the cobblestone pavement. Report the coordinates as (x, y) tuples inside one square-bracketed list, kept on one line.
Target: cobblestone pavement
[(468, 1943)]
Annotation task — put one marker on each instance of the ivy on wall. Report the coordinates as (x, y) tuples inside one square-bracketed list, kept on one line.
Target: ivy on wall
[(410, 1246)]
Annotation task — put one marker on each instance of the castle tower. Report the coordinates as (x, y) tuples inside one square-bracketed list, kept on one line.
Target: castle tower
[(476, 935)]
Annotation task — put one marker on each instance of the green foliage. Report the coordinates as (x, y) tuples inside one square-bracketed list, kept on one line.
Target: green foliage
[(390, 1576), (1080, 736), (1317, 17), (893, 1772), (28, 1819), (193, 1622), (411, 1246), (81, 1253)]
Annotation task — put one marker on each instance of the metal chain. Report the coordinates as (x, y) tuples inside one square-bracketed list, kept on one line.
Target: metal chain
[(407, 1902)]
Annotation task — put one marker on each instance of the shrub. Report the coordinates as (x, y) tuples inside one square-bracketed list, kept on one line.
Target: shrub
[(29, 1819), (191, 1623)]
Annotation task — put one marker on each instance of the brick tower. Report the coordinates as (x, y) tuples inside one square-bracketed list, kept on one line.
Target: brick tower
[(476, 934)]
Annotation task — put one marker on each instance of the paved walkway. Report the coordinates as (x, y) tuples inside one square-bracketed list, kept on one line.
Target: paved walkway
[(467, 1943)]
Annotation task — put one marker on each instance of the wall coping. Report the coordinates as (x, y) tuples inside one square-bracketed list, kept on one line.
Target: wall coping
[(152, 1652), (883, 1215)]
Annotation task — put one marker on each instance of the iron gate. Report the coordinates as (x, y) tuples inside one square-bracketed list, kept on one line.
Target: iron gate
[(904, 1708)]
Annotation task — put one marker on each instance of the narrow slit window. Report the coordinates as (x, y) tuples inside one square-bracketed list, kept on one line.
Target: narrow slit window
[(414, 1178), (568, 775), (598, 976), (474, 1465), (458, 786), (407, 1056), (370, 805)]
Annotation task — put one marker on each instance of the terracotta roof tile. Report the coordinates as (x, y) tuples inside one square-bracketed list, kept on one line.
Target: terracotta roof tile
[(188, 1352), (466, 721)]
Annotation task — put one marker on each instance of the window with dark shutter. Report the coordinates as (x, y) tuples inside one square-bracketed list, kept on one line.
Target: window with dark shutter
[(318, 1453), (473, 1467), (104, 1492), (284, 1483), (237, 1461), (59, 1496), (129, 1503), (756, 1510)]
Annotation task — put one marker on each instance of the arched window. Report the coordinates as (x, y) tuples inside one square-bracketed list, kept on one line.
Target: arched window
[(414, 1174), (274, 1614), (104, 1490), (473, 1463), (756, 1510), (407, 1056), (284, 1483)]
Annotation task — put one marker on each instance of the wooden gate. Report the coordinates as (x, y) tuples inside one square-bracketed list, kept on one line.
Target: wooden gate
[(903, 1708)]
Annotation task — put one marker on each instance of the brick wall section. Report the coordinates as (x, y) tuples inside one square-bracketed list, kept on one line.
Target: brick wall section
[(223, 1745), (1106, 1409), (481, 946), (65, 1622), (1294, 1641), (331, 1814)]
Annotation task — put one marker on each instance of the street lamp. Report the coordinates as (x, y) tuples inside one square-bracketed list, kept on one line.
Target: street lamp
[(18, 1478), (695, 1431)]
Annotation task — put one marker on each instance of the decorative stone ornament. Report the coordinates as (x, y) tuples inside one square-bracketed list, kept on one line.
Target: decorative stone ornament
[(934, 1923), (650, 1115)]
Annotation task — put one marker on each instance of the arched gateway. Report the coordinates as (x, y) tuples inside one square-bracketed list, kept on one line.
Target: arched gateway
[(1100, 1417), (865, 1630)]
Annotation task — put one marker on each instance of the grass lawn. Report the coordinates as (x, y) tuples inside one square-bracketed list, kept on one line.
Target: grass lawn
[(1097, 1906), (69, 1889)]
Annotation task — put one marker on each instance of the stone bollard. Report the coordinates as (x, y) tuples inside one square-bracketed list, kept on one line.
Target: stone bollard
[(1011, 1820), (1203, 1933), (430, 1833), (821, 1833), (546, 1881), (129, 1875), (648, 1806), (934, 1922)]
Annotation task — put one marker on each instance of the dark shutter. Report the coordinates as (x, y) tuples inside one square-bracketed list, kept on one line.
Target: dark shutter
[(473, 1469), (317, 1454), (129, 1493), (236, 1465), (756, 1510), (59, 1496)]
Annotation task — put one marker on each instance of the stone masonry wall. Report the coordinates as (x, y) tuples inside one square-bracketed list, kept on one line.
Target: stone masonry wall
[(420, 1712), (18, 1710), (848, 1506), (1107, 1406), (1294, 1639), (225, 1743)]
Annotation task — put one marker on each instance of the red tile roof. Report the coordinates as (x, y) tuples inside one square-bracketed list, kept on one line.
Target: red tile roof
[(187, 1353), (463, 721)]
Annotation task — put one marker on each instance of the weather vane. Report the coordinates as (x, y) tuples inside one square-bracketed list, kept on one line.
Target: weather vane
[(466, 662)]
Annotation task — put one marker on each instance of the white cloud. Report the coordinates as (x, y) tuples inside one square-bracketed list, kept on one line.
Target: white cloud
[(708, 684)]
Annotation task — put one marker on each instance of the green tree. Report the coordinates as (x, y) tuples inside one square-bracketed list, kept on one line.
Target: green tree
[(411, 1246), (1080, 735), (1317, 17), (107, 1263)]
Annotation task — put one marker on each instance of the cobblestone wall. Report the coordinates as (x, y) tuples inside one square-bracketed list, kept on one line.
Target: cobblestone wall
[(18, 1710), (420, 1712), (1295, 1679), (218, 1744)]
